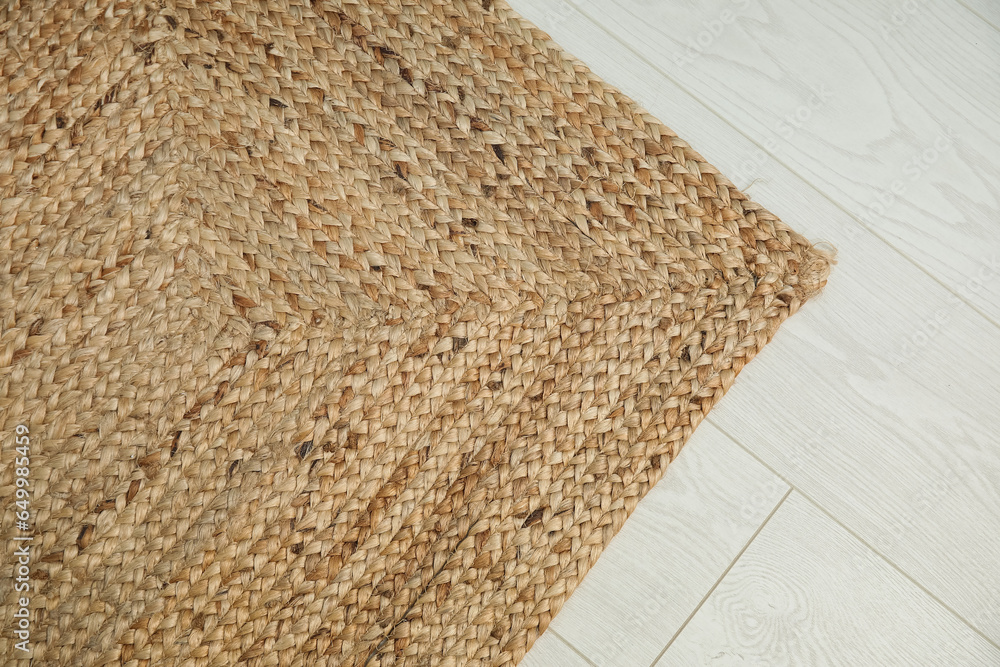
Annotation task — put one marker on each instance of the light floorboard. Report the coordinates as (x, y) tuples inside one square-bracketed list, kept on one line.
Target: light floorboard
[(878, 400), (989, 10), (675, 546), (551, 651), (807, 593), (887, 106)]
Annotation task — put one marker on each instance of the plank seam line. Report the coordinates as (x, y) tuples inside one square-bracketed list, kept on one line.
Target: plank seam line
[(778, 160), (723, 575), (858, 537), (571, 647)]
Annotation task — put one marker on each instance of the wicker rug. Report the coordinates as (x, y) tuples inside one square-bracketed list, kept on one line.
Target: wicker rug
[(345, 332)]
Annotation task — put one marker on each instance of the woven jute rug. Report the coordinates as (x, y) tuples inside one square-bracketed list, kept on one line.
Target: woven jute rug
[(342, 332)]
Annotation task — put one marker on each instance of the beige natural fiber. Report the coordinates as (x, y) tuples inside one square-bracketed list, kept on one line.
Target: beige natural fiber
[(345, 332)]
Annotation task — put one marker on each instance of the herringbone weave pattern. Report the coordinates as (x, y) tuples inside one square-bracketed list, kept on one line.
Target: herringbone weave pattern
[(347, 331)]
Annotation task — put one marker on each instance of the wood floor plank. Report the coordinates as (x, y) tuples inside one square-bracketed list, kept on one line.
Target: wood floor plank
[(807, 593), (989, 10), (674, 547), (879, 399), (888, 106), (551, 651)]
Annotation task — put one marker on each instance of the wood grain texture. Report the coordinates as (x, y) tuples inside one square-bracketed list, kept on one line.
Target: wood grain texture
[(889, 107), (807, 593), (883, 394), (551, 651), (675, 546), (989, 10)]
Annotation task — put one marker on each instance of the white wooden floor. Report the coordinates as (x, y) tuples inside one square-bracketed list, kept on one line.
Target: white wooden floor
[(842, 504)]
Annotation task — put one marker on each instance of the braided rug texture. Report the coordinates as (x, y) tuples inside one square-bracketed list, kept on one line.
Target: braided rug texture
[(347, 331)]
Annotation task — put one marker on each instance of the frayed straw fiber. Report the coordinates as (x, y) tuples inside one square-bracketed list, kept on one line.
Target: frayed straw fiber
[(346, 332)]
